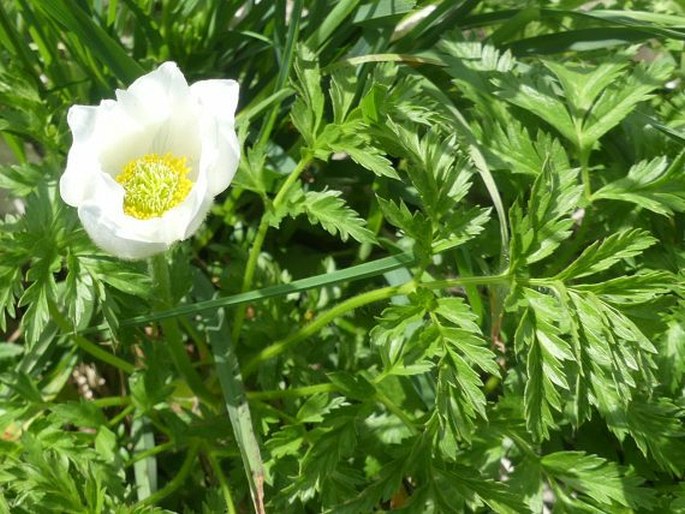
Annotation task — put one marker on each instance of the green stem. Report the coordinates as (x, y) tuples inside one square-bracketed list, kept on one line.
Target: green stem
[(174, 338), (176, 482), (485, 280), (584, 158), (358, 301), (126, 411), (111, 401), (324, 319), (157, 449), (223, 483), (293, 392), (258, 242), (397, 411), (85, 345)]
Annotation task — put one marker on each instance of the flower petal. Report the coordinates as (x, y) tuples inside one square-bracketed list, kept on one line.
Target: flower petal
[(219, 97), (153, 97), (105, 235), (218, 100)]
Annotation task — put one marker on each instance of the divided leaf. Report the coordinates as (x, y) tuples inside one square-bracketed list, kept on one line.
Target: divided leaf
[(652, 185), (598, 481), (600, 256), (331, 212), (540, 338)]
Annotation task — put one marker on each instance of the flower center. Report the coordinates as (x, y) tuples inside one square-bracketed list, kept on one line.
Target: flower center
[(153, 184)]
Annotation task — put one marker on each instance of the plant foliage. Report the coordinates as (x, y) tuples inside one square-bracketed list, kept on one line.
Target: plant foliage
[(447, 277)]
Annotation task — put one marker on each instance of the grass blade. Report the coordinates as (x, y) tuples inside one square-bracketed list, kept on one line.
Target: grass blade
[(238, 409)]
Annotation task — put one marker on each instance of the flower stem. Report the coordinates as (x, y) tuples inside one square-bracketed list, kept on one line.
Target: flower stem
[(162, 282), (176, 482), (87, 346), (256, 248), (223, 483), (324, 319), (293, 392), (358, 301)]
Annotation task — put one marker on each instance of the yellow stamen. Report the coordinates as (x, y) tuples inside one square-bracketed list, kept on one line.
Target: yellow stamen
[(153, 184)]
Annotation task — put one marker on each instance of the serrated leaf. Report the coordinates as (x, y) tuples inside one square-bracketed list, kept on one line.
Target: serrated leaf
[(539, 336), (598, 479), (514, 149), (497, 496), (460, 227), (620, 99), (342, 91), (546, 222), (537, 96), (368, 157), (653, 185), (600, 256), (331, 212), (641, 287), (583, 84), (307, 111)]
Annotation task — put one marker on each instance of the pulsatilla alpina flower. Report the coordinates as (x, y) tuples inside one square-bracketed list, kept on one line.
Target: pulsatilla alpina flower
[(143, 170)]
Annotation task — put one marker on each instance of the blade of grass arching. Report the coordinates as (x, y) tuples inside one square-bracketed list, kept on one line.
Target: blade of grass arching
[(238, 409), (358, 272), (582, 40), (321, 34), (446, 16), (664, 129), (109, 52), (659, 25)]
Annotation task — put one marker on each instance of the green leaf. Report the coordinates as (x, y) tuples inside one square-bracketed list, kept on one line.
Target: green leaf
[(641, 287), (598, 479), (307, 111), (81, 414), (583, 84), (342, 92), (10, 351), (460, 227), (332, 213), (110, 52), (656, 425), (601, 256), (20, 179), (652, 185), (368, 157), (620, 99), (539, 336), (537, 96), (547, 220), (513, 149)]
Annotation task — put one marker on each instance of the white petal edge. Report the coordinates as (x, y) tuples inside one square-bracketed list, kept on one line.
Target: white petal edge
[(153, 97), (218, 97)]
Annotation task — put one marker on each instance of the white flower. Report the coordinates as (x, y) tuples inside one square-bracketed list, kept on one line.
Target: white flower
[(143, 170)]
